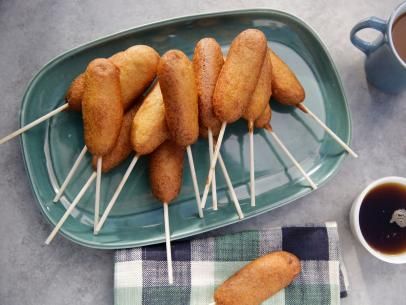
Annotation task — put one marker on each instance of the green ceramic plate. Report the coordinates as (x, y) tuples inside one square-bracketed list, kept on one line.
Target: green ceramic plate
[(137, 218)]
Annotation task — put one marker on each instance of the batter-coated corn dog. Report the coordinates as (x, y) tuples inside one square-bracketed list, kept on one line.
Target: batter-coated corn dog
[(207, 63), (138, 65), (259, 280), (149, 128), (239, 75), (176, 77), (165, 171), (286, 88), (262, 94), (102, 106), (123, 148), (74, 94)]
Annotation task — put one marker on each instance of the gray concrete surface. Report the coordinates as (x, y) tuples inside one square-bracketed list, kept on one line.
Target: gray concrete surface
[(32, 32)]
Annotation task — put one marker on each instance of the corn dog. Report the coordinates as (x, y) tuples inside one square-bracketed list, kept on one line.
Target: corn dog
[(260, 97), (176, 77), (75, 93), (239, 75), (123, 148), (259, 280), (207, 63), (102, 106), (165, 171), (137, 64), (177, 80), (286, 88), (149, 128)]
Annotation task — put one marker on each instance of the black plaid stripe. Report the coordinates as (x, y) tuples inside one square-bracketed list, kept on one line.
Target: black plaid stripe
[(180, 252), (306, 243)]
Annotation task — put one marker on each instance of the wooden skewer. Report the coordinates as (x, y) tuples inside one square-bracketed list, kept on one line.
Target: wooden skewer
[(213, 164), (97, 195), (168, 244), (70, 174), (70, 209), (290, 156), (213, 184), (34, 123), (252, 167), (328, 130), (194, 179), (230, 187), (116, 194)]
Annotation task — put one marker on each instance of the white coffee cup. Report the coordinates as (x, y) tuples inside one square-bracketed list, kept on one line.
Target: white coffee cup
[(356, 229)]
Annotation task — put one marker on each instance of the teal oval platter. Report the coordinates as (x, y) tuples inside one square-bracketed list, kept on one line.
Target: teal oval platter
[(51, 148)]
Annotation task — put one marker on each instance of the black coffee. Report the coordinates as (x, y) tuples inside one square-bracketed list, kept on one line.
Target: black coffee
[(375, 215), (399, 36)]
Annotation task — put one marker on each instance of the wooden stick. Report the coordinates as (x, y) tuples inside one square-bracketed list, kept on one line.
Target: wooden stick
[(168, 244), (194, 179), (213, 164), (213, 184), (230, 188), (214, 303), (299, 167), (252, 168), (328, 130), (97, 194), (34, 123), (70, 209), (116, 194), (70, 174)]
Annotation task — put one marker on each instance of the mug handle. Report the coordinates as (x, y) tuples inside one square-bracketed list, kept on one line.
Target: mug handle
[(373, 23)]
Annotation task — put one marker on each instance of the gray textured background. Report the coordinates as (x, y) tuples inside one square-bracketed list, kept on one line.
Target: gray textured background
[(33, 32)]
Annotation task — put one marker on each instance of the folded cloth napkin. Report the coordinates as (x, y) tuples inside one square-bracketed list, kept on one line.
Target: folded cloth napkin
[(201, 265)]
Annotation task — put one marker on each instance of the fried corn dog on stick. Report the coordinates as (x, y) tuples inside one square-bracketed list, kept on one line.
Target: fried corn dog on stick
[(235, 85), (177, 80), (148, 131), (138, 66), (259, 100), (288, 91), (165, 174), (102, 119)]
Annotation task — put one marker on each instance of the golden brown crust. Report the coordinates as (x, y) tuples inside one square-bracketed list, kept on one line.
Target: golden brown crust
[(102, 107), (165, 171), (138, 66), (259, 280), (263, 121), (122, 149), (262, 93), (176, 77), (207, 63), (75, 93), (239, 75), (286, 88), (149, 128)]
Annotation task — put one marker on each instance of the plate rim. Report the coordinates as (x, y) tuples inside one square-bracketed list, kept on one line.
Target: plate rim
[(99, 245)]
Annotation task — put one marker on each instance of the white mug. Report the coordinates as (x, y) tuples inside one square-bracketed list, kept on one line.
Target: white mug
[(356, 229)]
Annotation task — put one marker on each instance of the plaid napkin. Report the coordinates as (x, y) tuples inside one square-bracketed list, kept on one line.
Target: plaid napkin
[(200, 265)]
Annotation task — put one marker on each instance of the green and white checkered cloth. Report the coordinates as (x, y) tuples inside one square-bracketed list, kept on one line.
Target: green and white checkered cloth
[(201, 265)]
